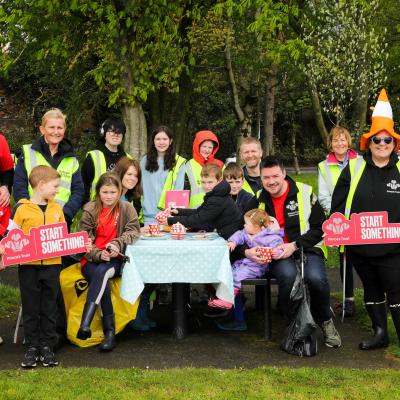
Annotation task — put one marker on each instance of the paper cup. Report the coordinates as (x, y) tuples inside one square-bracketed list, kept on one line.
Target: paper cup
[(154, 229), (266, 253)]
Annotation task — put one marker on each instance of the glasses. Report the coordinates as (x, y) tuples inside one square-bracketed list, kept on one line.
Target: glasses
[(379, 140), (115, 133)]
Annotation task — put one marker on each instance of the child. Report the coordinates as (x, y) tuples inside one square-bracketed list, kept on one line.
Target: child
[(218, 211), (259, 230), (112, 225), (39, 280), (233, 174)]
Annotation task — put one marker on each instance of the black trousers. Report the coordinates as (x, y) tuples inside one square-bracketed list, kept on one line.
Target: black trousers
[(379, 276), (98, 276), (39, 286)]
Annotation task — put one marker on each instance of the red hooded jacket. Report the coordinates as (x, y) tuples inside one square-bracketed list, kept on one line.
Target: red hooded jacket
[(201, 137)]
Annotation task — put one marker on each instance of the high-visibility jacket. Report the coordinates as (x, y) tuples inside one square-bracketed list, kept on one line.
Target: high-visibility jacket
[(67, 167), (100, 168), (304, 195), (246, 186), (330, 173), (170, 182), (193, 171)]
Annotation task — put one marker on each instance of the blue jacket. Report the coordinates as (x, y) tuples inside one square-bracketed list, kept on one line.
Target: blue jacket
[(20, 187)]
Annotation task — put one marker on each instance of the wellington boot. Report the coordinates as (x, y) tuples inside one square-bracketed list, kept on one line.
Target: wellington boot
[(87, 317), (109, 342), (377, 313)]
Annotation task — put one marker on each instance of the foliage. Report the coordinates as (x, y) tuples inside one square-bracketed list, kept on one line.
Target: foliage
[(9, 300), (346, 52)]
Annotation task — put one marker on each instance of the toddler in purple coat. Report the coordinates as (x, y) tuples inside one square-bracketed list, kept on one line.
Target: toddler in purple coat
[(260, 230)]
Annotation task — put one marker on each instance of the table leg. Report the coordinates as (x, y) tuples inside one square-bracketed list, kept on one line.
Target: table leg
[(179, 291)]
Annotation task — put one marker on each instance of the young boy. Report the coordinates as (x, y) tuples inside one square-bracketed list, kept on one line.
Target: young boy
[(218, 210), (233, 174), (39, 280)]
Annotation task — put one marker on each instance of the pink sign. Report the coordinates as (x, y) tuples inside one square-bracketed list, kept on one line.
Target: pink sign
[(47, 241), (363, 228), (177, 198)]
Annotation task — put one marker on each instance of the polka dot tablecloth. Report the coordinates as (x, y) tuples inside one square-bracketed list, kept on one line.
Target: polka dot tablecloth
[(166, 260)]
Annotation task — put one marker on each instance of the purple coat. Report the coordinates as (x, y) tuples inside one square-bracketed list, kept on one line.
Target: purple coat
[(246, 268)]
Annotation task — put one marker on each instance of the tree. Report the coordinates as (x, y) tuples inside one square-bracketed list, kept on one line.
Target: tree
[(129, 48)]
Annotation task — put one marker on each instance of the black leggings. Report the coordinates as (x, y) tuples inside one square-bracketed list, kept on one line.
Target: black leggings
[(98, 276), (349, 285), (380, 276)]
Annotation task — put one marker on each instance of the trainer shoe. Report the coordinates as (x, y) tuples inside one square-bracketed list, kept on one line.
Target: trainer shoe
[(30, 358), (218, 303), (47, 357), (331, 335), (349, 308)]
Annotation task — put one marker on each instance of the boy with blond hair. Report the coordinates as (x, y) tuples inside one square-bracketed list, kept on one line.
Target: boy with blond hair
[(39, 280)]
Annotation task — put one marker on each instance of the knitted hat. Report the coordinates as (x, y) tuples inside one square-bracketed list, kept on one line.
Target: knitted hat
[(382, 120)]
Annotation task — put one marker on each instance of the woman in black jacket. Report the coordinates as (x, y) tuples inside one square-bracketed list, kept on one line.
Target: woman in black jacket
[(377, 189)]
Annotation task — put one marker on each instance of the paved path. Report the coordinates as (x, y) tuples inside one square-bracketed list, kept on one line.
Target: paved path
[(205, 346)]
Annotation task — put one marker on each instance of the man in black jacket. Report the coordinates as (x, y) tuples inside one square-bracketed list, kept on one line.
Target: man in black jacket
[(300, 215)]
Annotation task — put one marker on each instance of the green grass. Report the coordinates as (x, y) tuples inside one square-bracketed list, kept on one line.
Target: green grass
[(9, 300), (260, 383)]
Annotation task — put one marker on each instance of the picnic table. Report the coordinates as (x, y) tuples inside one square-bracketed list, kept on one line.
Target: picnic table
[(180, 262)]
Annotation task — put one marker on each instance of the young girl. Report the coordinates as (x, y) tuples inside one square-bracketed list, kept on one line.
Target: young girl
[(129, 172), (259, 230), (112, 225), (162, 170)]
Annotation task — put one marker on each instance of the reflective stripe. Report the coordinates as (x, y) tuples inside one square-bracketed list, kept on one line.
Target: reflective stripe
[(100, 168), (330, 173), (67, 167), (170, 182), (246, 186), (356, 167), (193, 169)]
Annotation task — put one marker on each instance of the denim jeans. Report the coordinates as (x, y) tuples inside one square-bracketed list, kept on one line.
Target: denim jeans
[(285, 272)]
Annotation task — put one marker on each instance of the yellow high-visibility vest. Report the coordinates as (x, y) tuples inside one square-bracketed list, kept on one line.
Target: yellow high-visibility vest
[(67, 167), (170, 182)]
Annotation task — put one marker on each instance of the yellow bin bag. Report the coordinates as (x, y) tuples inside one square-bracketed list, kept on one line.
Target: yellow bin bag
[(74, 289)]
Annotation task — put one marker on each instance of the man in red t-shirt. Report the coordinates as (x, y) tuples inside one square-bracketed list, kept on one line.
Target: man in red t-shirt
[(280, 197)]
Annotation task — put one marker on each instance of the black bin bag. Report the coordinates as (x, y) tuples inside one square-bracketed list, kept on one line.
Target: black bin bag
[(300, 337)]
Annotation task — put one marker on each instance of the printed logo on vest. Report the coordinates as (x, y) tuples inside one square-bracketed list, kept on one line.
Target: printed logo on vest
[(394, 185), (65, 174), (292, 205)]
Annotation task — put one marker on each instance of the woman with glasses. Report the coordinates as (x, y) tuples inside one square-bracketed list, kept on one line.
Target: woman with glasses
[(372, 184), (340, 152), (107, 153)]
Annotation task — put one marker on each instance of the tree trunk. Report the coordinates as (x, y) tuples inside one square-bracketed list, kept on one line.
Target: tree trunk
[(360, 113), (243, 117), (319, 120), (294, 153), (268, 142), (136, 134)]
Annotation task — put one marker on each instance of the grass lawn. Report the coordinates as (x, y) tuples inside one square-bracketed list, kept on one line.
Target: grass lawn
[(9, 301), (260, 383)]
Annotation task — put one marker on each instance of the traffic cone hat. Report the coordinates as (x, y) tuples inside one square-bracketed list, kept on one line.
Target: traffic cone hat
[(382, 120)]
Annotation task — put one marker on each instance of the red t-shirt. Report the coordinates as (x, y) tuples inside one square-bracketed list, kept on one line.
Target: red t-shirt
[(6, 161), (5, 213), (278, 203), (106, 230)]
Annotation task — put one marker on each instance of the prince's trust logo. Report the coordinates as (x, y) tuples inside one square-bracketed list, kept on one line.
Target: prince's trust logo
[(394, 185), (292, 205)]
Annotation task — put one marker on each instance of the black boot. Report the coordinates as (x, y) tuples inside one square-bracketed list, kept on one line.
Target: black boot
[(109, 332), (87, 317), (395, 311), (377, 313)]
